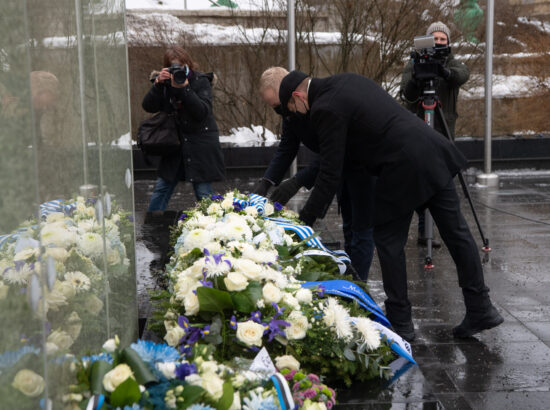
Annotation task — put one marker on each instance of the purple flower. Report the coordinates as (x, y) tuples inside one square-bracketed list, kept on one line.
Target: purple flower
[(185, 369), (237, 207), (233, 322), (321, 290), (314, 378), (216, 198), (275, 328), (278, 310), (182, 217), (205, 282), (256, 316), (185, 350), (183, 322), (253, 349), (205, 331), (310, 393), (277, 206)]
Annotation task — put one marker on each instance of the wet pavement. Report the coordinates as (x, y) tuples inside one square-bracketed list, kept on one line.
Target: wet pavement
[(503, 368)]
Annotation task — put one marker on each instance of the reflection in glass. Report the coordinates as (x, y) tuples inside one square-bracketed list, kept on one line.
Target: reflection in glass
[(67, 279)]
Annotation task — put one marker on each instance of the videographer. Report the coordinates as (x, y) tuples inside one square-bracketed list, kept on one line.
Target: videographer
[(180, 88), (450, 75), (356, 192)]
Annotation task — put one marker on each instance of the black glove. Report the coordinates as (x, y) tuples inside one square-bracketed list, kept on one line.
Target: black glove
[(286, 190), (307, 218), (262, 187), (443, 72)]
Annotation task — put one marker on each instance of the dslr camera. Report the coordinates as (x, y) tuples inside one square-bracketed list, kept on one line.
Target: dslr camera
[(428, 57), (179, 73)]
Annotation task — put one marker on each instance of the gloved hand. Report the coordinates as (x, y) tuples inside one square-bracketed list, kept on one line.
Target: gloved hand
[(443, 72), (307, 218), (262, 187), (286, 190)]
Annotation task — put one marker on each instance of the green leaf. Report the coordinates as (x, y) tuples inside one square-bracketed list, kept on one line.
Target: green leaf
[(227, 397), (98, 370), (245, 301), (127, 393), (309, 276), (191, 394), (141, 371), (213, 300)]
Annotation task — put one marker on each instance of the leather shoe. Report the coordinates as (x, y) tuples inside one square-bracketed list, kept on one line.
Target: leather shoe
[(424, 242), (474, 324), (406, 331)]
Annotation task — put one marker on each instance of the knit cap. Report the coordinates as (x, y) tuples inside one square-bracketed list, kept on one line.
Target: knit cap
[(439, 26)]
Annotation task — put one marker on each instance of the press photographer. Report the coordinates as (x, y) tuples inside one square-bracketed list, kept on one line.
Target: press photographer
[(186, 95), (434, 66)]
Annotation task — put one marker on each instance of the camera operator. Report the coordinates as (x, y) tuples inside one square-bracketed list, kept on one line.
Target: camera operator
[(356, 193), (451, 74), (180, 88)]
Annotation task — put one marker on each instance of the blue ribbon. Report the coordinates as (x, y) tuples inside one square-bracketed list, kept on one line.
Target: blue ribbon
[(283, 391)]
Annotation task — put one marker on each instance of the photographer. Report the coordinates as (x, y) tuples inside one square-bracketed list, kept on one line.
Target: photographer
[(451, 74), (179, 88), (355, 196)]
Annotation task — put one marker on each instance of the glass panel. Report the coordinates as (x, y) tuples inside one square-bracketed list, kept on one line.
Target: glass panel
[(67, 278)]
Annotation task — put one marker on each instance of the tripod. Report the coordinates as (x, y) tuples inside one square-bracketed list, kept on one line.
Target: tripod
[(431, 104)]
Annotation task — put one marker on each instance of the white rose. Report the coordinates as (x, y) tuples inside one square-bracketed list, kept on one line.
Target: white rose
[(287, 362), (227, 203), (298, 326), (248, 268), (73, 325), (271, 293), (250, 333), (117, 376), (59, 254), (93, 304), (213, 384), (110, 345), (268, 209), (65, 288), (51, 348), (29, 383), (251, 210), (168, 369), (3, 290), (291, 301), (174, 335), (235, 281), (304, 296), (191, 304), (61, 339)]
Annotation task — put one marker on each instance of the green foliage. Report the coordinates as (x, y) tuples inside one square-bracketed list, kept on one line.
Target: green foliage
[(141, 370), (126, 394), (214, 300), (98, 370), (245, 301)]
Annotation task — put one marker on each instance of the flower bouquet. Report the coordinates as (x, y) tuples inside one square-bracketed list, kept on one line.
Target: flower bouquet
[(237, 280)]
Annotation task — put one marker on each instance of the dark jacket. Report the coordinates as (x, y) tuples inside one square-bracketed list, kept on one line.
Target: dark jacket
[(359, 124), (201, 158), (446, 90)]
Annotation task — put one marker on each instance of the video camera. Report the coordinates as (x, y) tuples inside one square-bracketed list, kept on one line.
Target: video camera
[(428, 57)]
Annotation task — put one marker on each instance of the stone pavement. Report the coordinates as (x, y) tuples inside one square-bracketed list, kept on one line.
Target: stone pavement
[(504, 368)]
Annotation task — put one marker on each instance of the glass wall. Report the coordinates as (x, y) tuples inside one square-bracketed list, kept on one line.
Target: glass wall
[(67, 276)]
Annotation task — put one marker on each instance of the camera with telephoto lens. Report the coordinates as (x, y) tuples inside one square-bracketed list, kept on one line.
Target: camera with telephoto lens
[(179, 73), (428, 57)]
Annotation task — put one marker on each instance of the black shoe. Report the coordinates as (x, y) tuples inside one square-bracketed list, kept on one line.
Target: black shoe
[(472, 325), (424, 242), (406, 331)]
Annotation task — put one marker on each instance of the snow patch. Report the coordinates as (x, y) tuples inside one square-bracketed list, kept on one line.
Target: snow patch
[(255, 136)]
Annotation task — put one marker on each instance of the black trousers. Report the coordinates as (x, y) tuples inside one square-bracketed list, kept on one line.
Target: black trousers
[(390, 240)]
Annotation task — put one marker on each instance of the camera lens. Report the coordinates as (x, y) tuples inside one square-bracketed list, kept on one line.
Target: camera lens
[(180, 76)]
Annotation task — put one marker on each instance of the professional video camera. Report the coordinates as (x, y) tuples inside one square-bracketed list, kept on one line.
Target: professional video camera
[(428, 57)]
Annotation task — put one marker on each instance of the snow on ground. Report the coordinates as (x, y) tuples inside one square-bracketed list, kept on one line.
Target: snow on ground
[(255, 136), (508, 86), (202, 4)]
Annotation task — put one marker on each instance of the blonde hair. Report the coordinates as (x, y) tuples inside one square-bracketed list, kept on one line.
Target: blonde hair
[(271, 78)]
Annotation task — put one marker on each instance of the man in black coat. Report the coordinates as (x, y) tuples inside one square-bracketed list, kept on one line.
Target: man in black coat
[(355, 194), (358, 123)]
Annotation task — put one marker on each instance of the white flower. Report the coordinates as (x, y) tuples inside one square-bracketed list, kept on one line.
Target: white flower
[(260, 256), (85, 225), (236, 405), (369, 333), (215, 209), (227, 203), (77, 397), (248, 268), (26, 254), (59, 254), (55, 216), (251, 210), (79, 281), (51, 348), (304, 296), (271, 293), (91, 244), (314, 405), (184, 286), (235, 281), (168, 369), (337, 317), (57, 235), (217, 265), (93, 304), (196, 238), (290, 300), (201, 221), (110, 345), (29, 383), (268, 209), (250, 333), (3, 290), (191, 304), (54, 299), (73, 325), (298, 325), (117, 376), (288, 240), (287, 362), (61, 339), (213, 247), (213, 385), (174, 335)]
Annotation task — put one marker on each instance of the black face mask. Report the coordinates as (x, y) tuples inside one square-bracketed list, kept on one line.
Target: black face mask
[(278, 109)]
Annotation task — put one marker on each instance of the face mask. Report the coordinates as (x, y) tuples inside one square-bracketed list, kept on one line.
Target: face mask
[(278, 109)]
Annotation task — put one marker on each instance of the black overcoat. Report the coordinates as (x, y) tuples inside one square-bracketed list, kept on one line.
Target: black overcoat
[(360, 125), (201, 157)]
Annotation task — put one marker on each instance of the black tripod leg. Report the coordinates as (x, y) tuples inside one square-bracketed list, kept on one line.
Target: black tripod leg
[(447, 134)]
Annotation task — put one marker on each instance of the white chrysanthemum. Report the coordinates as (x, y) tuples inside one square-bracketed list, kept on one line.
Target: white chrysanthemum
[(18, 277), (251, 210), (260, 256), (277, 277), (91, 244), (369, 333), (79, 281), (201, 221), (196, 238), (242, 247), (85, 225), (304, 296), (215, 209), (59, 254), (237, 231), (227, 203), (57, 235), (336, 316), (26, 254), (55, 216), (298, 325), (213, 247), (217, 265), (248, 268)]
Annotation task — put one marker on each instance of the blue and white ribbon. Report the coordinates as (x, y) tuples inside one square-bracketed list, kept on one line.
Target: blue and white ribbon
[(397, 343), (283, 392), (57, 205)]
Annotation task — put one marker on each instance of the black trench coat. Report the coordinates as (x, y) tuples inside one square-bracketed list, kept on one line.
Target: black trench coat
[(201, 157), (359, 124)]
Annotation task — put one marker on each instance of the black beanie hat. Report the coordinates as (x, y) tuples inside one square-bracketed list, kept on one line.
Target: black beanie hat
[(289, 84)]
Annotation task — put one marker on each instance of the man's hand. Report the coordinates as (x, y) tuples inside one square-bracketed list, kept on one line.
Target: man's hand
[(262, 187), (307, 218), (286, 190), (443, 72)]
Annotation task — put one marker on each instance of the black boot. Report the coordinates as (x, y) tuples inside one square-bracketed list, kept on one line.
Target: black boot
[(405, 330), (475, 323)]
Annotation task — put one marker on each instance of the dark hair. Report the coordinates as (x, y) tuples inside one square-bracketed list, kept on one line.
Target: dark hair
[(178, 53)]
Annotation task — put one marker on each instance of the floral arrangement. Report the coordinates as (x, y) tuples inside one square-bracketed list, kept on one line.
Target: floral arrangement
[(53, 286), (236, 283)]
